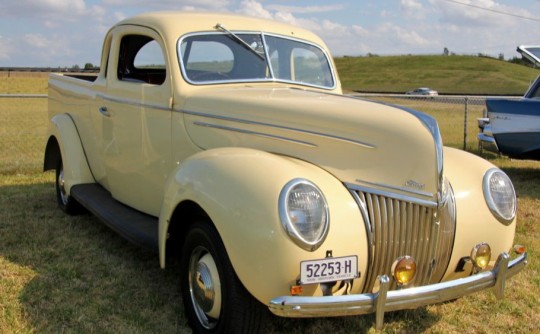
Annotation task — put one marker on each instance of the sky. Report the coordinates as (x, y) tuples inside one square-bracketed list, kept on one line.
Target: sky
[(65, 33)]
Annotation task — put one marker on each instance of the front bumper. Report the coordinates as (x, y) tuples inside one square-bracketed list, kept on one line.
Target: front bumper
[(385, 301)]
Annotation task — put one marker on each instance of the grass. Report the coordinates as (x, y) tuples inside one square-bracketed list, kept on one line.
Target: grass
[(73, 275), (446, 74), (22, 143), (23, 85)]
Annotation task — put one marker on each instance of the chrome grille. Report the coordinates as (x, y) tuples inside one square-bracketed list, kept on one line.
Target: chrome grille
[(398, 227)]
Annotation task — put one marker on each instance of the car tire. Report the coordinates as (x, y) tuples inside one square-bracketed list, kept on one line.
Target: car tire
[(215, 301), (65, 202)]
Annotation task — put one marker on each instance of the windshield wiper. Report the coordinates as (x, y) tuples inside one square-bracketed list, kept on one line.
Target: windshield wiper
[(219, 26)]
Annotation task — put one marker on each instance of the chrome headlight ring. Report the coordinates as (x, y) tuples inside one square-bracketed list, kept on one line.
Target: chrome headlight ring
[(304, 214), (500, 195)]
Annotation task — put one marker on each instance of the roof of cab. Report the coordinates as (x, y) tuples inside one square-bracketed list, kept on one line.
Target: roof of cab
[(173, 24)]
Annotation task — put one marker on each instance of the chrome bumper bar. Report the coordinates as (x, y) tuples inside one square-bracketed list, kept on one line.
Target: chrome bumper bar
[(385, 301)]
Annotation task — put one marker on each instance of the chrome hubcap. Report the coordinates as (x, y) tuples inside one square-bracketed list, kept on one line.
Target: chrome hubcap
[(62, 187), (205, 287), (203, 290)]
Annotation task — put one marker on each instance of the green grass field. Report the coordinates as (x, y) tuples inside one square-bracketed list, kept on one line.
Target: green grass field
[(446, 74), (62, 274)]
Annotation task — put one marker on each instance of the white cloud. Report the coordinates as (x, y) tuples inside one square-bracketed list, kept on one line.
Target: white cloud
[(412, 9), (411, 5), (146, 5), (254, 8), (42, 8), (477, 13), (306, 9)]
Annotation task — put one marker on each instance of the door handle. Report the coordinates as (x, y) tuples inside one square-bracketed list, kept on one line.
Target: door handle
[(104, 112)]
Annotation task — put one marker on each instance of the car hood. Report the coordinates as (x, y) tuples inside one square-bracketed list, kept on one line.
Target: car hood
[(364, 144)]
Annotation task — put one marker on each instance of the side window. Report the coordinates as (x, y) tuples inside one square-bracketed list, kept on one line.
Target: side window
[(150, 57), (141, 60), (536, 93)]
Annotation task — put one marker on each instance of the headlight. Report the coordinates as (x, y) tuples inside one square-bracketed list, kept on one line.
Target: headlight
[(304, 213), (500, 195)]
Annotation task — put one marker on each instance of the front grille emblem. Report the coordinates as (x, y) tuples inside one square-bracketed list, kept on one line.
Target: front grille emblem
[(415, 185)]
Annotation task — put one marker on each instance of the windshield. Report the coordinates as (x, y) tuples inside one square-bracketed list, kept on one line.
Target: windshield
[(530, 52), (220, 57)]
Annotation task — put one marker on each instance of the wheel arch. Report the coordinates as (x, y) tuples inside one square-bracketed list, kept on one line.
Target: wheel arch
[(62, 130), (183, 217), (52, 154), (238, 189)]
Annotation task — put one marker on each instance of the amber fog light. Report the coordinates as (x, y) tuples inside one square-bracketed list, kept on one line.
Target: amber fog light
[(404, 270), (481, 255)]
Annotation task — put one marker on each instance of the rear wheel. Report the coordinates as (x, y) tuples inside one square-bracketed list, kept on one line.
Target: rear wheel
[(65, 202), (214, 298)]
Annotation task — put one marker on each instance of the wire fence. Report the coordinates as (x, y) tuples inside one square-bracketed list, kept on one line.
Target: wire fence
[(22, 133), (24, 122)]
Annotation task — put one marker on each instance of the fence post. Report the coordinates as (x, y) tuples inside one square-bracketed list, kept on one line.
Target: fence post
[(465, 123)]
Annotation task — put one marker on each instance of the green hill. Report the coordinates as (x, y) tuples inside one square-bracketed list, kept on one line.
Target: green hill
[(446, 74)]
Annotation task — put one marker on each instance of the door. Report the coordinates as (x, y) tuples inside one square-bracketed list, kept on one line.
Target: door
[(136, 136)]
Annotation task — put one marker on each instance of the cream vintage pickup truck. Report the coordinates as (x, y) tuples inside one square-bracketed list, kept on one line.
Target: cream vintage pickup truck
[(227, 141)]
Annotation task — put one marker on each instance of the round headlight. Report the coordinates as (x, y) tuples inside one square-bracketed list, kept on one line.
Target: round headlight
[(304, 213), (500, 195)]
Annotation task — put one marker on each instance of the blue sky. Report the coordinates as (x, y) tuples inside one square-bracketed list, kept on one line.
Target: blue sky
[(70, 32)]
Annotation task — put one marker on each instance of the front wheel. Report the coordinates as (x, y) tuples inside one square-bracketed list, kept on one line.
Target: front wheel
[(214, 298)]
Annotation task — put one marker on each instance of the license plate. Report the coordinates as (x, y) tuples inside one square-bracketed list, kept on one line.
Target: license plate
[(328, 270)]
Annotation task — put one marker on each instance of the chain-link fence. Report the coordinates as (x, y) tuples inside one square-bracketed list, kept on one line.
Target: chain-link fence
[(22, 133), (24, 122)]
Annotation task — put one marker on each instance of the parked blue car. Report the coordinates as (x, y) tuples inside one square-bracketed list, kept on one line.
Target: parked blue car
[(512, 126)]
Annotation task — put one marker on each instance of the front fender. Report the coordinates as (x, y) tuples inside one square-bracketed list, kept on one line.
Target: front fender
[(239, 190), (475, 222), (68, 144)]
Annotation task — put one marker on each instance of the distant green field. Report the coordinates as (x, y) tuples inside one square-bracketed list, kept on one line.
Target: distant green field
[(446, 74)]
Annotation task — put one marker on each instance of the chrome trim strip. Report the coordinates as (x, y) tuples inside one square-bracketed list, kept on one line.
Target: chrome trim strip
[(393, 195), (227, 128), (131, 102), (243, 121), (310, 306), (404, 189)]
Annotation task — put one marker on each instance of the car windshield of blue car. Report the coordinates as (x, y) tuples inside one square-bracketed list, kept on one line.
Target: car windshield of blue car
[(211, 58)]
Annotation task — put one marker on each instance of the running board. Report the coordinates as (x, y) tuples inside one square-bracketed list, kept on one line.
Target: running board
[(137, 227)]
